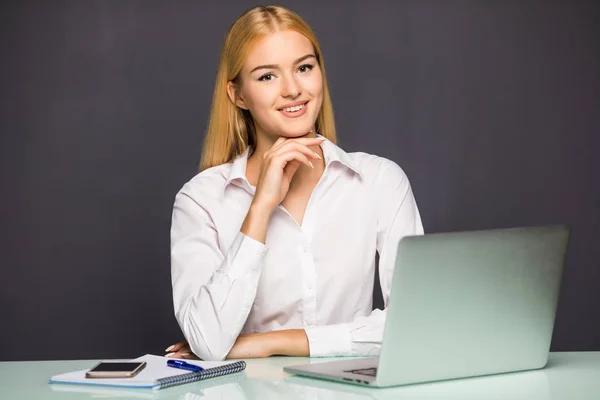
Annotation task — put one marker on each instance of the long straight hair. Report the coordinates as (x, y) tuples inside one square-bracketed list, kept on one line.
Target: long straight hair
[(231, 129)]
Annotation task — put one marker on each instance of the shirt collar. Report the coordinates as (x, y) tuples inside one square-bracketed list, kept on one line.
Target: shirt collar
[(332, 153), (238, 169)]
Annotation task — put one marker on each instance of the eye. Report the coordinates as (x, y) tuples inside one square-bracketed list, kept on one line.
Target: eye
[(267, 77), (306, 67)]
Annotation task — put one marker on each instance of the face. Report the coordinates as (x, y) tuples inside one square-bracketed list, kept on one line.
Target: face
[(281, 85)]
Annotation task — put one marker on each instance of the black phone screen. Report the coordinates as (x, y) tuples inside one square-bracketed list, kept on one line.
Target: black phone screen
[(116, 367)]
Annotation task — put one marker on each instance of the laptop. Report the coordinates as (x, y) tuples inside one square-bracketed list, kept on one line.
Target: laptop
[(463, 304)]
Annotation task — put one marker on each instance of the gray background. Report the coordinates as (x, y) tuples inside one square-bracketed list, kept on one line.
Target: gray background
[(491, 107)]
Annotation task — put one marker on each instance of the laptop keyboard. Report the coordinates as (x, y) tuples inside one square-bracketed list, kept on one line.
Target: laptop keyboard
[(364, 371)]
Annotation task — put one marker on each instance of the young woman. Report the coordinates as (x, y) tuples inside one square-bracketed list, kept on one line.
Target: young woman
[(273, 243)]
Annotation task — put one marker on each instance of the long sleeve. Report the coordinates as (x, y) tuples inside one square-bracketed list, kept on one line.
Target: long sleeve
[(213, 291), (397, 216)]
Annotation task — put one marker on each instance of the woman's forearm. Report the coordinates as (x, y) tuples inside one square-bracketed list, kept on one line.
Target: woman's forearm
[(290, 342), (256, 222)]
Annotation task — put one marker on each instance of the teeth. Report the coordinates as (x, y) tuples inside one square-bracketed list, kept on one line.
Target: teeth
[(294, 109)]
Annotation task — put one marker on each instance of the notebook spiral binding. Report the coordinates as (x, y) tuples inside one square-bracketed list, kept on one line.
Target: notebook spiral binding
[(200, 375)]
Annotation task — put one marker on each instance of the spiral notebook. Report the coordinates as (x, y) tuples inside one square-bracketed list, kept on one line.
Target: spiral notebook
[(156, 375)]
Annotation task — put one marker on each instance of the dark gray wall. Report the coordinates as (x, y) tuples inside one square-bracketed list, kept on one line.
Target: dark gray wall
[(491, 107)]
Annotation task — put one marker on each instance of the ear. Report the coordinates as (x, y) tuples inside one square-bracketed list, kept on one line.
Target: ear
[(235, 95)]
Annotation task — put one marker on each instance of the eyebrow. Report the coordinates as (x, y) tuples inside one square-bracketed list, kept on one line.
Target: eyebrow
[(275, 66)]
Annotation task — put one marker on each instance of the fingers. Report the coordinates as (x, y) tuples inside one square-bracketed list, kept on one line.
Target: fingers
[(291, 168), (305, 141), (291, 148), (298, 144), (279, 142), (284, 158), (176, 346), (179, 350), (186, 355), (177, 354)]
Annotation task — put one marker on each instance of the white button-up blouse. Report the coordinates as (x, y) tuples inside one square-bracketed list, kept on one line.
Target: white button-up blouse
[(318, 276)]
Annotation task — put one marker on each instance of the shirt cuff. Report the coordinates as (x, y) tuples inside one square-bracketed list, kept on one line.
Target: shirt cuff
[(329, 340), (245, 255)]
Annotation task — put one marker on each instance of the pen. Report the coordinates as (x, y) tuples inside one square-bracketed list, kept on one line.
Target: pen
[(183, 365)]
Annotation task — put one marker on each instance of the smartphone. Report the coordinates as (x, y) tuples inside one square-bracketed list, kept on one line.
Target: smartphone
[(116, 369)]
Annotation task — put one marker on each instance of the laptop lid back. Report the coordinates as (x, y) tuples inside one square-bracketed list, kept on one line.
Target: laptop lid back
[(472, 303)]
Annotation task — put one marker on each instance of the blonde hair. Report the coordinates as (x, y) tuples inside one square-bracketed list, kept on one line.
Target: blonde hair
[(231, 129)]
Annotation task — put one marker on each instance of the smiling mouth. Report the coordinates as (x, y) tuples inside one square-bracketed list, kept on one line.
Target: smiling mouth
[(294, 108)]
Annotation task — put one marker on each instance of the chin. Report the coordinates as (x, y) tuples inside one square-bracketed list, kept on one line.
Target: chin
[(295, 134), (295, 130)]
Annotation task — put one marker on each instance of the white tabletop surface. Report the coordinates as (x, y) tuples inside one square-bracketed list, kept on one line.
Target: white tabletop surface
[(567, 376)]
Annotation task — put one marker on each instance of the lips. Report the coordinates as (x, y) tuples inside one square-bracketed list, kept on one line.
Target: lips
[(293, 106), (294, 110)]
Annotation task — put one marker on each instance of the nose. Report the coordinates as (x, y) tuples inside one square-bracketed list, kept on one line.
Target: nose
[(290, 87)]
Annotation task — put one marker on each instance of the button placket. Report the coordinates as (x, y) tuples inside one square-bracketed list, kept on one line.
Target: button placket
[(308, 268), (308, 265)]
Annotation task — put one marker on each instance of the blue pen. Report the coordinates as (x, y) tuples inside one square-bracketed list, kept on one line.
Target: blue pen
[(183, 365)]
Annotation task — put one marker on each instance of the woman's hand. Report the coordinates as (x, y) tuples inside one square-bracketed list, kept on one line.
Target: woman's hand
[(279, 164), (180, 350)]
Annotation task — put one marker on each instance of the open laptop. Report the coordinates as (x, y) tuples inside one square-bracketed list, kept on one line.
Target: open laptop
[(463, 304)]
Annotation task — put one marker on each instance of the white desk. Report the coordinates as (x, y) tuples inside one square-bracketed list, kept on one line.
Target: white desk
[(568, 376)]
